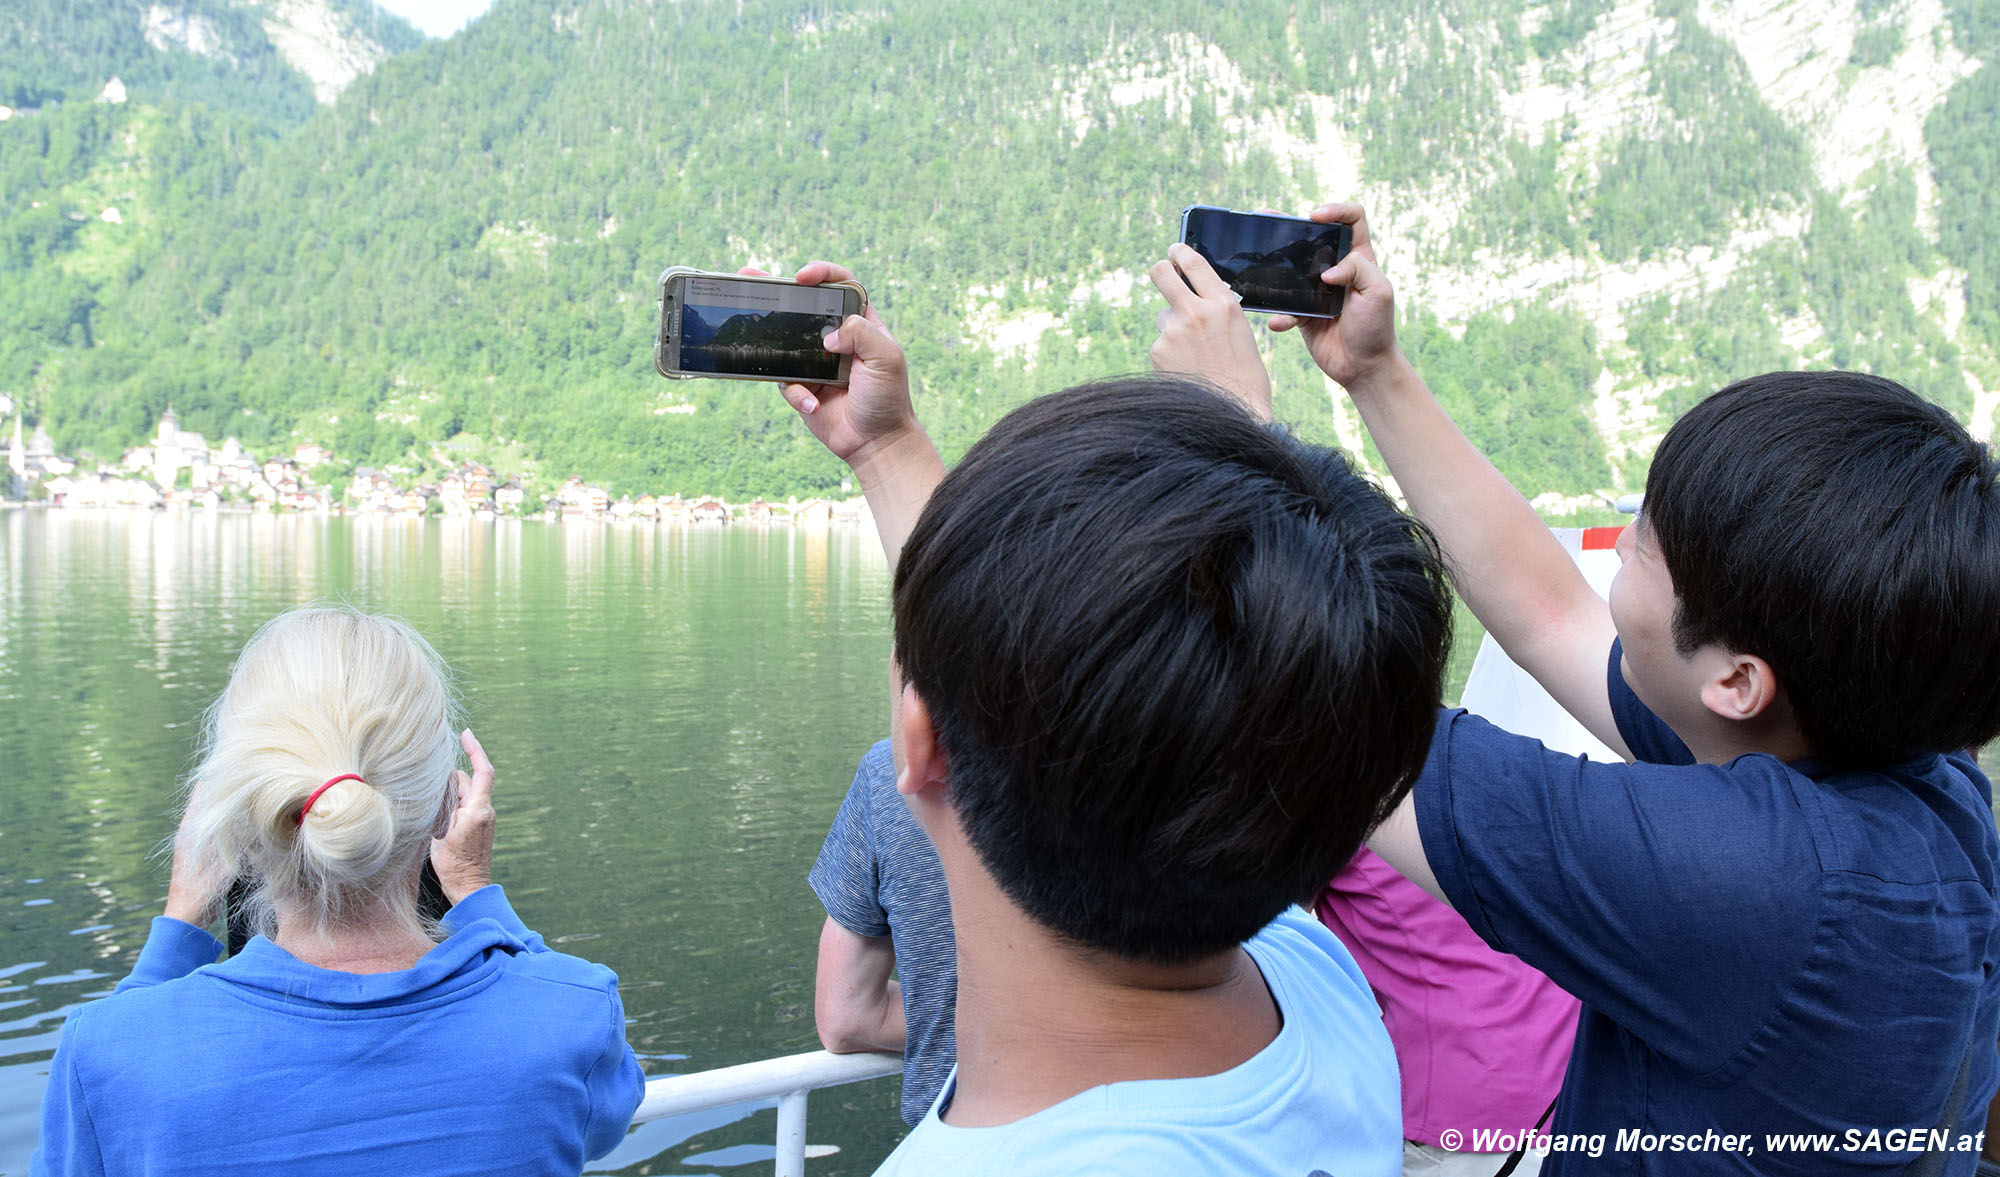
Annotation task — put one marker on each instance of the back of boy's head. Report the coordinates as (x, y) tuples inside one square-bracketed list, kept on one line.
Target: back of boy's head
[(1846, 531), (1179, 664)]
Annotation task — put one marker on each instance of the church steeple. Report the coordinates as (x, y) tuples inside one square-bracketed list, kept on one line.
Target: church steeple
[(17, 457)]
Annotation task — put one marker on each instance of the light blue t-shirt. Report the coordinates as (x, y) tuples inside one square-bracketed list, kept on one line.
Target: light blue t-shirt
[(1322, 1098)]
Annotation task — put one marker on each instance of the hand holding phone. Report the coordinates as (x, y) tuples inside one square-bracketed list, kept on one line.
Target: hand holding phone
[(462, 856), (871, 407), (1361, 344), (196, 889), (869, 422), (1204, 332), (1272, 262)]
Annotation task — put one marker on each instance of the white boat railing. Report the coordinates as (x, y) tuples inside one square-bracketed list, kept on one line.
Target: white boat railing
[(787, 1080)]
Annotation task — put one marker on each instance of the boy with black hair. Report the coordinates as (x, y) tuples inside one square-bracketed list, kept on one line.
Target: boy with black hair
[(1782, 918), (1165, 668)]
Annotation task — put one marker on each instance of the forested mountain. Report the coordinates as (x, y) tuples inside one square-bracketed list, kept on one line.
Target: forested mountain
[(1595, 211), (268, 59)]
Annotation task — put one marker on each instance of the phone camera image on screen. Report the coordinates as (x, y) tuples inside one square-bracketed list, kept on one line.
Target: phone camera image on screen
[(759, 329), (1273, 263)]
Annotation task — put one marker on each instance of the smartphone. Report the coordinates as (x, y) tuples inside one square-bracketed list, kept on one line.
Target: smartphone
[(431, 905), (1273, 263), (734, 327)]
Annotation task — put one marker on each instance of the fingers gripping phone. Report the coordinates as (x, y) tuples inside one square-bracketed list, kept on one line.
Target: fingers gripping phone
[(1273, 263), (738, 327)]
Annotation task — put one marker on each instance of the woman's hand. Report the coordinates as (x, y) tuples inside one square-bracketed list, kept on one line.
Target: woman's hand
[(196, 890), (463, 858)]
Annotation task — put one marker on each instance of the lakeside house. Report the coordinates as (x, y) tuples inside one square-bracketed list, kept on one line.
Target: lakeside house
[(178, 469), (467, 490)]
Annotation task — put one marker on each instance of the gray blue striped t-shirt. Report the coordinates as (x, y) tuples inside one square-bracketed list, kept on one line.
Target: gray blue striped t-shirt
[(878, 875)]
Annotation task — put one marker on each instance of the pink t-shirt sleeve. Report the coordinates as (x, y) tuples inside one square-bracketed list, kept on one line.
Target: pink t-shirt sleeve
[(1482, 1039)]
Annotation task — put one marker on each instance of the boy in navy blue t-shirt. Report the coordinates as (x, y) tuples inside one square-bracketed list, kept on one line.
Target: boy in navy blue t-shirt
[(1781, 917)]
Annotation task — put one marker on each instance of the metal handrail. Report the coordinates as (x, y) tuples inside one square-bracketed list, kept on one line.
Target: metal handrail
[(787, 1080)]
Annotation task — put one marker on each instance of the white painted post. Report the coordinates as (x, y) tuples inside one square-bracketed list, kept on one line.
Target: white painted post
[(792, 1134)]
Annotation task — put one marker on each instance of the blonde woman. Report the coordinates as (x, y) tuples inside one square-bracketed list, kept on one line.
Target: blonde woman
[(350, 1036)]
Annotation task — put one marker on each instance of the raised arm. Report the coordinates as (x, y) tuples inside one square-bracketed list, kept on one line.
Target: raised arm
[(869, 422), (1511, 570)]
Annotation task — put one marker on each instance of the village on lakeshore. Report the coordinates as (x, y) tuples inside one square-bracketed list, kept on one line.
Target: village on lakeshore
[(180, 470)]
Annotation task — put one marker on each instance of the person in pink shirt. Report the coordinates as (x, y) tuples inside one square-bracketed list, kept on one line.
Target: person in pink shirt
[(1482, 1039)]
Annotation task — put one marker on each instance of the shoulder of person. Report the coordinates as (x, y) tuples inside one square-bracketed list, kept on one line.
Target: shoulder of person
[(138, 1021), (1308, 968), (560, 968), (875, 776)]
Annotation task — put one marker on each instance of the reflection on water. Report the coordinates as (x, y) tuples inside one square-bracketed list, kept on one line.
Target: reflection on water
[(674, 712)]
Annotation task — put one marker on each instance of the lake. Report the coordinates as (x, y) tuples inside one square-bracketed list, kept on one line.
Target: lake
[(674, 712)]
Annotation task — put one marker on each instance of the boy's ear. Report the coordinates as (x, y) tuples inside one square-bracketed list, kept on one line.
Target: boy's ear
[(920, 759), (1740, 687)]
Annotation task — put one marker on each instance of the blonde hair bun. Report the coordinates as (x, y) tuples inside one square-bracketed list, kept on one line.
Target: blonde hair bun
[(349, 833), (316, 693)]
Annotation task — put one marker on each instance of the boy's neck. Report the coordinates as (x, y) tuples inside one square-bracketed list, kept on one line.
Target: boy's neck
[(1719, 741), (1039, 1020)]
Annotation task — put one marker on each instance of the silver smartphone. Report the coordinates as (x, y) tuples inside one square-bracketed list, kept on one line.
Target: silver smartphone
[(1272, 262), (735, 327)]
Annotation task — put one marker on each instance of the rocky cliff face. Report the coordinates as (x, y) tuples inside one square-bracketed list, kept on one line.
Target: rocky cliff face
[(272, 59), (1855, 82), (321, 44)]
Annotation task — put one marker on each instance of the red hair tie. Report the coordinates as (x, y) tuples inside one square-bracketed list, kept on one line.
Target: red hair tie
[(314, 795)]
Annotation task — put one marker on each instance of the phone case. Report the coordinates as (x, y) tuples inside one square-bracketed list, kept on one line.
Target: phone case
[(661, 335)]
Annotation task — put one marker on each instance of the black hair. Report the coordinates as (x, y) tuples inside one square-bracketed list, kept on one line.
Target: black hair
[(1846, 531), (1180, 664)]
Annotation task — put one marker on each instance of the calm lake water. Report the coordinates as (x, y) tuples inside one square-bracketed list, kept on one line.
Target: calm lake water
[(675, 714)]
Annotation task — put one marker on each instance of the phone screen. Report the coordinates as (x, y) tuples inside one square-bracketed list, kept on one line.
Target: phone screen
[(1273, 263), (767, 329)]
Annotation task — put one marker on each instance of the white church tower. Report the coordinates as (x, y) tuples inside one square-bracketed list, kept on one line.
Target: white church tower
[(17, 461)]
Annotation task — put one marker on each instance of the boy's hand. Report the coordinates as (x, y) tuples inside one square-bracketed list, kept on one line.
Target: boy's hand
[(869, 422), (873, 408), (1361, 344), (1204, 332)]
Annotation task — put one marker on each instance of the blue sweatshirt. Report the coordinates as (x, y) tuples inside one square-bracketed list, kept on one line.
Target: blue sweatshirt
[(493, 1055)]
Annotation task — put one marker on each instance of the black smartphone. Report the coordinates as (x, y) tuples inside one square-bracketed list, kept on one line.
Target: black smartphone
[(735, 327), (1273, 263), (431, 905)]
